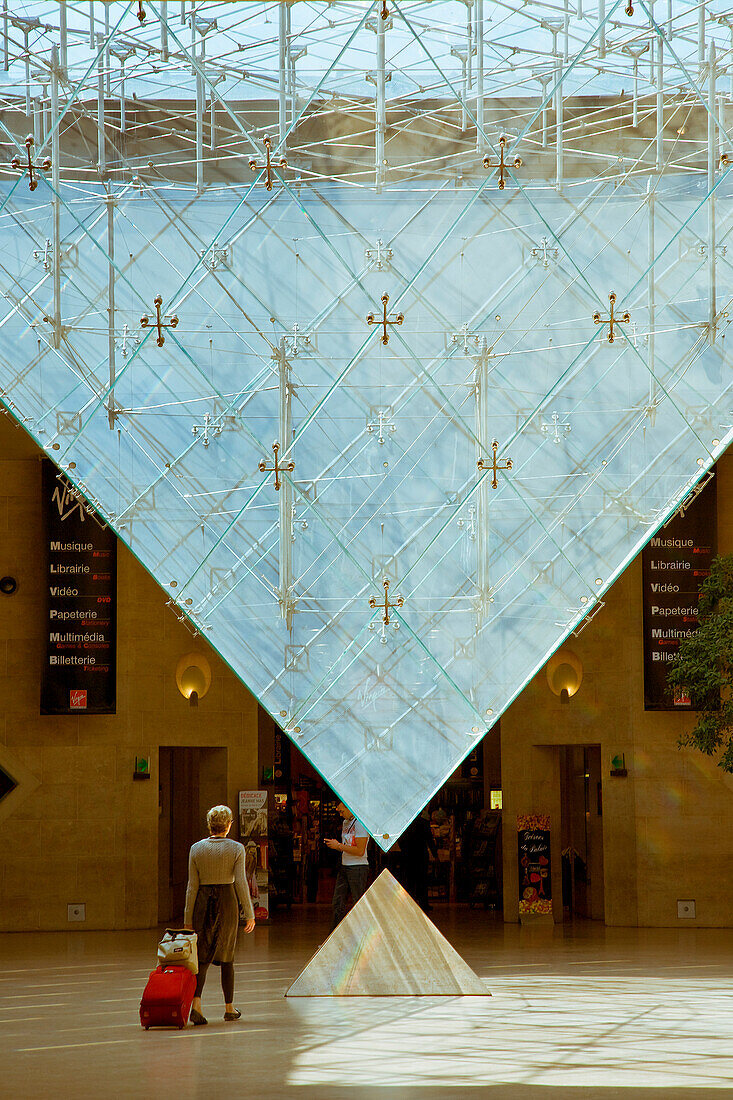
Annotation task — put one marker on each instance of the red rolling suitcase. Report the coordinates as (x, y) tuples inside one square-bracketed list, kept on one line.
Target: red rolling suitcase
[(167, 998)]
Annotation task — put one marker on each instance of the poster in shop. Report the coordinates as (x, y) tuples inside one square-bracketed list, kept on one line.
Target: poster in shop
[(80, 666), (535, 879), (674, 565), (253, 835)]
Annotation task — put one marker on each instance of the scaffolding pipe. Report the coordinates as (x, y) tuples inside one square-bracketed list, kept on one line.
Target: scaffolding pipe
[(27, 54), (286, 494), (469, 43), (559, 112), (199, 133), (101, 152), (566, 33), (650, 284), (63, 38), (6, 42), (123, 118), (602, 26), (290, 66), (164, 30), (282, 120), (462, 57), (381, 106), (482, 434), (56, 204), (480, 144), (711, 184), (111, 308), (107, 65), (701, 34), (660, 106)]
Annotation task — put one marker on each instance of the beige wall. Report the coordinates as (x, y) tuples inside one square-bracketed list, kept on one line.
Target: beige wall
[(668, 826), (87, 832)]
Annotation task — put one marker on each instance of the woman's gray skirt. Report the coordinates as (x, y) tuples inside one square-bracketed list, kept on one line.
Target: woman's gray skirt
[(216, 923)]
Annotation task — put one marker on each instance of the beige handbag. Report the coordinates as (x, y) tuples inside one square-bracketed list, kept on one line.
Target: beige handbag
[(178, 948)]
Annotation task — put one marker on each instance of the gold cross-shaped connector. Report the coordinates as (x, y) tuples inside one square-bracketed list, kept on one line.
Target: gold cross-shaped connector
[(282, 163), (399, 602), (44, 165), (613, 320), (159, 324), (495, 466), (502, 165), (384, 320), (277, 468)]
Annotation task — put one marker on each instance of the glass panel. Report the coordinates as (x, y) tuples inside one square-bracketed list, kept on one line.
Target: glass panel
[(395, 357)]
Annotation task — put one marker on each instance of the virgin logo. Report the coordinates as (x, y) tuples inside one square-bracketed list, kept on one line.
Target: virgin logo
[(67, 500), (77, 700)]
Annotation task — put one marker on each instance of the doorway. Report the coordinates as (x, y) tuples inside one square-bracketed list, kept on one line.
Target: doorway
[(192, 780), (582, 831)]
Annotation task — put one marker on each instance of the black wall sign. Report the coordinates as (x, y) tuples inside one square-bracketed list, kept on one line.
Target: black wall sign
[(80, 670), (674, 565)]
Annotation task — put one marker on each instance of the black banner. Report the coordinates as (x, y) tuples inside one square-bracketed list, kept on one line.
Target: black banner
[(535, 874), (80, 670), (674, 565)]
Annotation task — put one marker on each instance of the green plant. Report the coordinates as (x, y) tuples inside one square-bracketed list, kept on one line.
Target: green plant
[(704, 666)]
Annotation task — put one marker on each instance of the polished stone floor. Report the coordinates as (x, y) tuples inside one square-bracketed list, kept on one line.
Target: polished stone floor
[(576, 1012)]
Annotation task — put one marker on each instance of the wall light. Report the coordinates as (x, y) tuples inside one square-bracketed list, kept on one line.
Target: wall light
[(193, 677), (564, 674)]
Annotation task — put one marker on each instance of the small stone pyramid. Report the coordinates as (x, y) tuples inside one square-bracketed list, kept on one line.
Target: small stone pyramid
[(386, 947)]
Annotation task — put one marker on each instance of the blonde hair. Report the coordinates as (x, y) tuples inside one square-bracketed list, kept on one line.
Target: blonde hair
[(218, 818)]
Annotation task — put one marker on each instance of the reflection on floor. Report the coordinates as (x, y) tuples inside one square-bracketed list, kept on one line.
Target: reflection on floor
[(579, 1011)]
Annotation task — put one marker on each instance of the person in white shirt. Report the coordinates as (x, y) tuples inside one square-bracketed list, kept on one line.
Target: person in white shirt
[(354, 871)]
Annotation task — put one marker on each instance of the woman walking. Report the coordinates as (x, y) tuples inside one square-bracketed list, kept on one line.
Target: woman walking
[(217, 888)]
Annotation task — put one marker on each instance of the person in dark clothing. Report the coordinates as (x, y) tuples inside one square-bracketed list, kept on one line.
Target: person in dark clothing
[(416, 844)]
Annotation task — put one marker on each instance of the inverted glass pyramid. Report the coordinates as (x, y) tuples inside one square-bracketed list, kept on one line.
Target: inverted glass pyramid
[(462, 468)]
